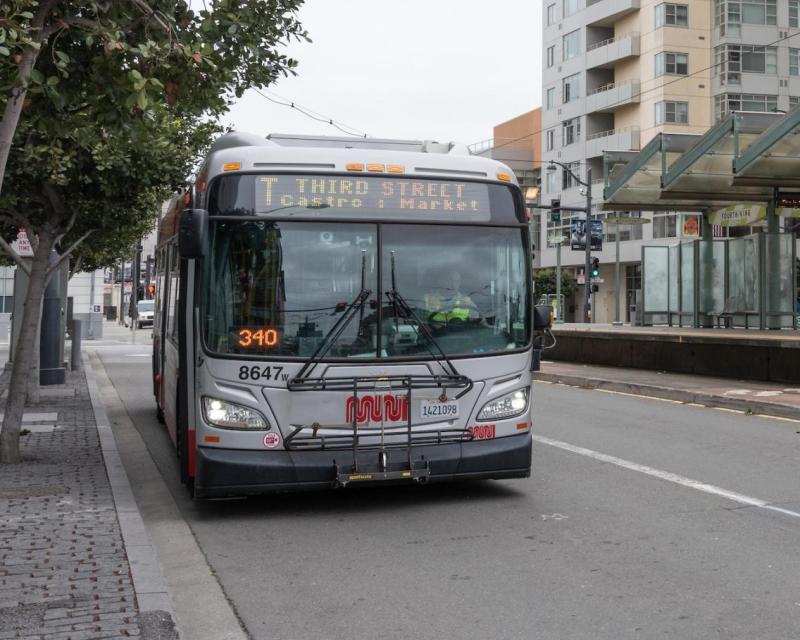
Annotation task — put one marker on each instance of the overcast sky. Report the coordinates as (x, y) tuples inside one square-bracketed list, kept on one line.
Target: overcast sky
[(416, 69)]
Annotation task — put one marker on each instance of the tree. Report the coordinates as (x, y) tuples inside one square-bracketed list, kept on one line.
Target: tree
[(544, 282), (105, 104)]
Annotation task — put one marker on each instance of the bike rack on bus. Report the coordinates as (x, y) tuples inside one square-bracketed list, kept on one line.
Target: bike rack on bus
[(306, 437)]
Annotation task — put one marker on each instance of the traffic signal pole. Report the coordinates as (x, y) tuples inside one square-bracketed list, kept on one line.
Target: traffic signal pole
[(588, 238)]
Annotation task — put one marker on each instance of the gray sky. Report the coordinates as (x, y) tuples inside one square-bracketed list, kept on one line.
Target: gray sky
[(422, 69)]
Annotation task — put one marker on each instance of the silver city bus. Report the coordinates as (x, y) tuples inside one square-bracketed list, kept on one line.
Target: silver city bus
[(334, 311)]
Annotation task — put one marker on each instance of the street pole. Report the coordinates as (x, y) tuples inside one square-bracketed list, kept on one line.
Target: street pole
[(588, 237), (122, 294), (559, 310), (617, 321)]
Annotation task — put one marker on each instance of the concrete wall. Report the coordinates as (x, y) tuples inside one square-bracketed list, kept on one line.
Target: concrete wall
[(86, 291), (522, 133)]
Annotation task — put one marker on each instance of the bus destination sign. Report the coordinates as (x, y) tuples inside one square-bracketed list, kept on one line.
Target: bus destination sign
[(371, 195)]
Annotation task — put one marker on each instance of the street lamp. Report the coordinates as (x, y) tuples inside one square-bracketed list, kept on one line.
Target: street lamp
[(587, 231)]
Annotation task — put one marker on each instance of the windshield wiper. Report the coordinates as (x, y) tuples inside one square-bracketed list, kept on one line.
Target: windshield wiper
[(339, 326), (399, 303)]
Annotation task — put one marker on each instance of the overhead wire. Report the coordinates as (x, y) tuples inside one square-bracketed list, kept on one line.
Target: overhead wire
[(314, 115)]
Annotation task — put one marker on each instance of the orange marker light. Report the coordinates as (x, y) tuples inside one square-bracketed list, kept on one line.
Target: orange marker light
[(231, 166), (212, 439), (355, 166), (376, 167), (521, 426), (396, 168), (505, 177)]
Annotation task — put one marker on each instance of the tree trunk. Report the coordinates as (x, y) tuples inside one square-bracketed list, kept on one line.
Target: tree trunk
[(33, 386), (31, 317), (8, 125)]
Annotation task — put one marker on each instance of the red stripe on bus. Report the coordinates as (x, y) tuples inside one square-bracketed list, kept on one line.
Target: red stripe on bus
[(192, 449)]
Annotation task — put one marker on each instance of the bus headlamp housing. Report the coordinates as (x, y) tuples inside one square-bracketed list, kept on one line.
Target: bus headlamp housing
[(227, 415), (508, 406)]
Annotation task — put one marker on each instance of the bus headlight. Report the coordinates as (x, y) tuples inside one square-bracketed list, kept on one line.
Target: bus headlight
[(232, 416), (508, 406)]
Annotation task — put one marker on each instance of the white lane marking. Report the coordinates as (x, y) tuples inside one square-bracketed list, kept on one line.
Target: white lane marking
[(666, 475), (638, 395), (139, 355)]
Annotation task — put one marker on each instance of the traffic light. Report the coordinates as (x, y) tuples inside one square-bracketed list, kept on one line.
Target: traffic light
[(555, 210), (595, 268)]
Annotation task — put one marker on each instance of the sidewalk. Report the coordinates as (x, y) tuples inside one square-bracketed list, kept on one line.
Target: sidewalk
[(766, 398), (66, 537)]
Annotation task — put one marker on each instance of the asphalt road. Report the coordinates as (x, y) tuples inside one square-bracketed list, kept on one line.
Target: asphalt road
[(588, 547)]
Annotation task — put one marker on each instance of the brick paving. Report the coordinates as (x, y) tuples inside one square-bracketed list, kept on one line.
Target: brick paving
[(64, 573)]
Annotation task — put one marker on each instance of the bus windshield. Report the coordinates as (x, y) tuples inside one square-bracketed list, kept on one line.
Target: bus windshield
[(276, 289)]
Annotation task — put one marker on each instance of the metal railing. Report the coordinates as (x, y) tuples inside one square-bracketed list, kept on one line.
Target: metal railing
[(612, 40), (611, 132), (610, 86), (480, 147)]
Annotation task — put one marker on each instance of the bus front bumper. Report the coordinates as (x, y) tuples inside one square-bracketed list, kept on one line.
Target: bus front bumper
[(233, 472)]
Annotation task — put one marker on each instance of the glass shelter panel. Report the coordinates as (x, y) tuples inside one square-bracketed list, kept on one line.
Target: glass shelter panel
[(654, 277), (687, 278), (779, 280)]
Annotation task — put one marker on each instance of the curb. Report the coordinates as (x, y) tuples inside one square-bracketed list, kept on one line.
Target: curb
[(149, 585), (679, 395)]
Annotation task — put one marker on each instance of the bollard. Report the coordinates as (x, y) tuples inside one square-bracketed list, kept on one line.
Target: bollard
[(75, 354)]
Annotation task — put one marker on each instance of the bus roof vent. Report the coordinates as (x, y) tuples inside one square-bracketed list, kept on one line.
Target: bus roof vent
[(238, 139), (455, 148), (341, 142)]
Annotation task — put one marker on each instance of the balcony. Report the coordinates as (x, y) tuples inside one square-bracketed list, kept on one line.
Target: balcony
[(626, 139), (604, 13), (612, 96), (608, 52)]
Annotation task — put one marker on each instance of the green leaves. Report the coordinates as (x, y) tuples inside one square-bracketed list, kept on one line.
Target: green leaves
[(120, 108)]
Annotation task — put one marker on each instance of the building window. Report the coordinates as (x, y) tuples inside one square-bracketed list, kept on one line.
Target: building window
[(551, 182), (728, 102), (551, 14), (571, 6), (672, 63), (626, 231), (672, 112), (794, 62), (665, 224), (733, 59), (794, 101), (551, 55), (759, 11), (550, 101), (570, 131), (571, 44), (567, 179), (571, 88), (550, 139), (672, 15), (794, 13), (730, 14)]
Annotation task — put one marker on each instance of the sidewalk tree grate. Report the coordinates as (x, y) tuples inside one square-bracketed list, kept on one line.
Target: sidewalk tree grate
[(33, 491)]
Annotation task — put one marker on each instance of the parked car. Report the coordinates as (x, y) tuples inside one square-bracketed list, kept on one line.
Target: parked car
[(145, 311)]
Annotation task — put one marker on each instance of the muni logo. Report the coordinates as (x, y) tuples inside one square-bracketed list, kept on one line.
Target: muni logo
[(377, 408)]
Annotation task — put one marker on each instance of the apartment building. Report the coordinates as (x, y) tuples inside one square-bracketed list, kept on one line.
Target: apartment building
[(617, 72)]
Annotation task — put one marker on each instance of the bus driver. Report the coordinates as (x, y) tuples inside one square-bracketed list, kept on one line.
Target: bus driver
[(448, 303)]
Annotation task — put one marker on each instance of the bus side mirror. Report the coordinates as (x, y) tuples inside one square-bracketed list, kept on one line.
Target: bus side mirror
[(192, 233), (542, 317)]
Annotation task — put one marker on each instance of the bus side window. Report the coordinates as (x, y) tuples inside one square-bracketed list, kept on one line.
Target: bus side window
[(172, 301), (160, 265)]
